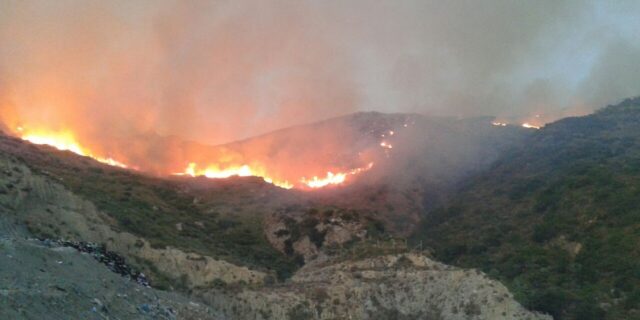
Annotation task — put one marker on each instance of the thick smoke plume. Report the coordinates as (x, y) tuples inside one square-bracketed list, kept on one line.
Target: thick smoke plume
[(121, 72)]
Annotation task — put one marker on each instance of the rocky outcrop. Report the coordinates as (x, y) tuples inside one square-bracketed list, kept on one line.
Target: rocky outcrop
[(43, 281), (308, 232), (48, 209), (405, 286)]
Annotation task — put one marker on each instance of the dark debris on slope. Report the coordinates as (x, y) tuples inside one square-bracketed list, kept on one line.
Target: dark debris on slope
[(113, 261)]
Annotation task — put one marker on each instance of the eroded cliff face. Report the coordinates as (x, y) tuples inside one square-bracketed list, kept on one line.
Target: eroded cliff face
[(48, 209), (404, 286)]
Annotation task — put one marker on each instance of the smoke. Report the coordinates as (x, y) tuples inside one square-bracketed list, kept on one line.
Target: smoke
[(120, 72), (512, 59), (616, 74), (208, 71)]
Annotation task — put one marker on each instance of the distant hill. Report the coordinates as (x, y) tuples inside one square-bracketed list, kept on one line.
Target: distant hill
[(423, 157), (557, 219), (400, 146)]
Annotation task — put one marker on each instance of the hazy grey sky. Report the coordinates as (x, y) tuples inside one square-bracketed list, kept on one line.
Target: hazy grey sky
[(215, 71)]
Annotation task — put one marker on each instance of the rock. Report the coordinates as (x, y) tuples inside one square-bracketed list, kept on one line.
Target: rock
[(314, 231), (75, 218), (144, 308), (406, 286), (81, 288)]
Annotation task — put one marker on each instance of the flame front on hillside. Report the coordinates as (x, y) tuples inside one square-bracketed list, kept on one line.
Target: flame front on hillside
[(66, 141), (333, 178), (530, 126), (284, 161), (215, 172)]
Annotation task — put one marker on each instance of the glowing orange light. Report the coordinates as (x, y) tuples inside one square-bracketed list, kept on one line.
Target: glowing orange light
[(330, 178), (386, 145), (333, 178), (60, 141), (530, 126), (215, 172), (111, 162), (65, 141)]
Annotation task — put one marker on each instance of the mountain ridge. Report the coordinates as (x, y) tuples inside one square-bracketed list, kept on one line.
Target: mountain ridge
[(555, 218)]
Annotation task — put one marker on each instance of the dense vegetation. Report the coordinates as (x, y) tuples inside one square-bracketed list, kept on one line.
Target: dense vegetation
[(557, 220)]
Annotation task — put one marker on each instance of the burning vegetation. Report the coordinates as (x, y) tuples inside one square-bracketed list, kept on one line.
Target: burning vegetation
[(535, 121), (327, 154), (66, 141), (305, 158), (215, 172), (528, 125)]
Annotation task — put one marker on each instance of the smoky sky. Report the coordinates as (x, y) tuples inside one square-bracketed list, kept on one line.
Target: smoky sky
[(215, 71)]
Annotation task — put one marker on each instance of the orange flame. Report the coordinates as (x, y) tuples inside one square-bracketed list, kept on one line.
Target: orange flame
[(530, 126), (65, 140), (333, 178), (329, 179), (386, 145), (215, 172)]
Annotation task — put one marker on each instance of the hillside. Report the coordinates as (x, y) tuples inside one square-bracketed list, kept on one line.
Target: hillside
[(229, 241), (424, 158), (46, 272), (556, 219), (164, 212), (44, 280), (225, 218)]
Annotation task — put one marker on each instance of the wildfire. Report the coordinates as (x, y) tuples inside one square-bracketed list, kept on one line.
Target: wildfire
[(527, 125), (111, 162), (330, 178), (215, 172), (530, 126), (66, 141), (60, 141), (333, 178), (386, 145), (391, 132)]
